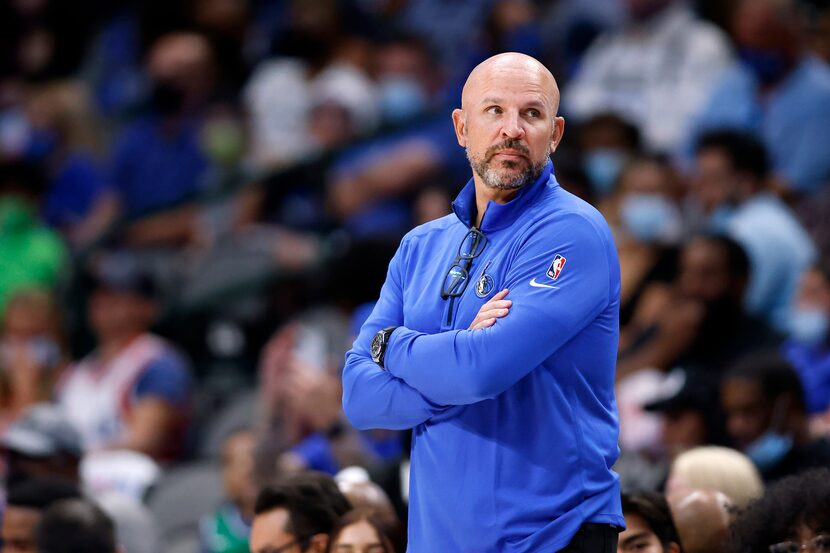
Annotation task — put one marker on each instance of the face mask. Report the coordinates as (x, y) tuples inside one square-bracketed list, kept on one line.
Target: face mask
[(42, 143), (720, 218), (15, 214), (42, 350), (401, 98), (650, 217), (768, 450), (167, 98), (809, 326), (768, 66), (602, 167)]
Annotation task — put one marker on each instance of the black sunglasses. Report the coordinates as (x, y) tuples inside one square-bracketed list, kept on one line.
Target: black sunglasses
[(459, 273)]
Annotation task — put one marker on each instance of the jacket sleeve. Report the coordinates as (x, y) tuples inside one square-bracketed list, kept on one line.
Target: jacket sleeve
[(481, 364), (372, 397)]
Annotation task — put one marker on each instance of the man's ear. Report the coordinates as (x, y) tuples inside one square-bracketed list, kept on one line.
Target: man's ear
[(558, 132), (459, 123), (318, 543), (673, 548)]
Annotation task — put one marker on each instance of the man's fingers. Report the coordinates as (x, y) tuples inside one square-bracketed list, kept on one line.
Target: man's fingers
[(486, 323)]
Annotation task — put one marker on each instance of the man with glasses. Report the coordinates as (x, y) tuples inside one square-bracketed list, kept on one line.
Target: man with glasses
[(495, 339)]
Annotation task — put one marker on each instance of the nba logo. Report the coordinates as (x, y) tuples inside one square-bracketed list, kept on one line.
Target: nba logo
[(556, 267)]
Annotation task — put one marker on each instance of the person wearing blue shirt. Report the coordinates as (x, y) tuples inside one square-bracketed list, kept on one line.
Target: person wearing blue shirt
[(495, 340)]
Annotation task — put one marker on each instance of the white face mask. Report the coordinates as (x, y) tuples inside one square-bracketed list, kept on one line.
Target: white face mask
[(809, 326)]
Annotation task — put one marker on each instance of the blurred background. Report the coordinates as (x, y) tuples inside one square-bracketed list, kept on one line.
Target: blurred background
[(199, 199)]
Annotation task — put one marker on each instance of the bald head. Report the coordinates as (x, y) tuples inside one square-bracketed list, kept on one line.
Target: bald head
[(702, 519), (508, 123), (510, 67)]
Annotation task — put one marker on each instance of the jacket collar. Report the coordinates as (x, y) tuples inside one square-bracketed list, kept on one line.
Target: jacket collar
[(498, 216)]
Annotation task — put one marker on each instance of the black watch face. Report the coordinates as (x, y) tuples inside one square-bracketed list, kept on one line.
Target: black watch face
[(377, 347)]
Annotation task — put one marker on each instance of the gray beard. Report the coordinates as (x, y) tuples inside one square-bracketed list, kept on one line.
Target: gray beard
[(491, 177)]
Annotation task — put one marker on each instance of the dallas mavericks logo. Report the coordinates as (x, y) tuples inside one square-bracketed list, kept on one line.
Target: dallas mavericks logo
[(484, 285)]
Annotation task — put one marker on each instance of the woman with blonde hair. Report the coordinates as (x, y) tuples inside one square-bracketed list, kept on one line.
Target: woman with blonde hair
[(716, 468)]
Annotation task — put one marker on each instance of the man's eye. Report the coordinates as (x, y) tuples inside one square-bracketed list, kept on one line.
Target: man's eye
[(495, 110), (533, 113)]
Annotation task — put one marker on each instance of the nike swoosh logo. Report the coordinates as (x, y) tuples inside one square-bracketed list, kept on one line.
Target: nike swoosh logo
[(540, 285)]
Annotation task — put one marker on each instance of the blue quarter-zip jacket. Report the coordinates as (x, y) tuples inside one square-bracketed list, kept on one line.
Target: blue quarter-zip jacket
[(515, 426)]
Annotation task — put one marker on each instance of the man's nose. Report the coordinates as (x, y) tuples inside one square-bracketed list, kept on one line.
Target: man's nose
[(512, 126)]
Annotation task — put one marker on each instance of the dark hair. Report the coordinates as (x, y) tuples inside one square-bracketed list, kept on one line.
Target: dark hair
[(774, 373), (75, 526), (654, 509), (793, 501), (312, 499), (746, 153), (40, 493), (22, 177), (736, 257), (388, 529)]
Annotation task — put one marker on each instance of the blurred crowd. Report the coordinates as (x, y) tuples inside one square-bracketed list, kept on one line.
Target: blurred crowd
[(199, 199)]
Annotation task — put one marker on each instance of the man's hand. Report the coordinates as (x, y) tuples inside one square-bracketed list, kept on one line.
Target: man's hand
[(496, 308)]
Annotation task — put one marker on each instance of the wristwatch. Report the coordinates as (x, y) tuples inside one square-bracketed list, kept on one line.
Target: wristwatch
[(379, 343)]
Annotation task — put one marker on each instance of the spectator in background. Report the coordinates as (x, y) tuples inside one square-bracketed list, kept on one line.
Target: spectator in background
[(158, 161), (699, 321), (41, 443), (32, 353), (30, 255), (65, 137), (364, 531), (731, 187), (607, 142), (690, 412), (25, 504), (808, 347), (777, 92), (717, 469), (702, 518), (645, 217), (133, 391), (793, 515), (227, 529), (76, 526), (308, 70), (817, 18), (649, 527), (657, 71), (763, 400), (298, 511)]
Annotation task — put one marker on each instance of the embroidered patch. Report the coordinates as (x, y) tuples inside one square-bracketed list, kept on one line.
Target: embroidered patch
[(556, 267), (484, 285)]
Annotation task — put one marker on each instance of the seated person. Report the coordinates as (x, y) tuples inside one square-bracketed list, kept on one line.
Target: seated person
[(699, 321), (649, 527), (299, 510), (793, 515), (25, 505), (808, 345), (227, 529), (132, 392), (766, 418)]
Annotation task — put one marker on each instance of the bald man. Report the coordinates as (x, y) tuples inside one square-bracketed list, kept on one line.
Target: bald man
[(702, 518), (495, 338)]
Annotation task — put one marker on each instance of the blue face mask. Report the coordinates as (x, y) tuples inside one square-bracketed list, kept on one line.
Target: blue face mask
[(720, 218), (768, 449), (809, 326), (602, 167), (650, 217), (401, 98)]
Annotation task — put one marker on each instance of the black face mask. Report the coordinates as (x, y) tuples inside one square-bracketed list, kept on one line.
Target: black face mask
[(166, 98)]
